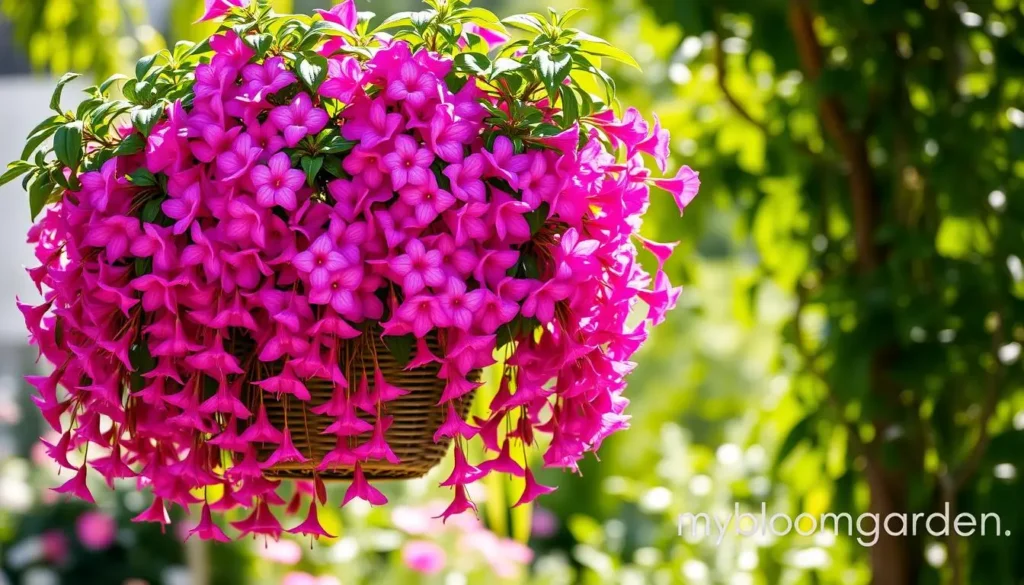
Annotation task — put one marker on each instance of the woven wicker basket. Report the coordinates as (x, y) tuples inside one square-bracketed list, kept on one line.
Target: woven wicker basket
[(417, 415)]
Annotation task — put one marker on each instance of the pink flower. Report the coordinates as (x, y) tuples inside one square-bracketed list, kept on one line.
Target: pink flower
[(277, 182), (344, 14), (320, 261), (448, 138), (427, 200), (459, 305), (374, 127), (683, 186), (409, 163), (115, 235), (207, 529), (418, 267), (237, 161), (360, 488), (96, 530), (270, 77), (298, 120), (424, 557), (285, 552), (218, 8), (412, 85), (465, 178), (504, 162), (311, 525), (490, 37)]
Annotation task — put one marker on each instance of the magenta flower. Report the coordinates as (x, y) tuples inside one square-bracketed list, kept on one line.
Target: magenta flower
[(360, 488), (421, 313), (504, 162), (277, 182), (270, 77), (376, 126), (344, 14), (466, 180), (412, 85), (344, 77), (115, 235), (218, 8), (418, 268), (448, 138), (183, 208), (460, 306), (683, 187), (239, 159), (509, 220), (299, 120), (319, 262), (427, 200), (409, 163), (206, 529)]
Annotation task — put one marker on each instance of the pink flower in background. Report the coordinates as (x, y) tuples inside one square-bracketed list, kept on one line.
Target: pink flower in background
[(55, 547), (300, 578), (544, 524), (424, 557), (96, 530)]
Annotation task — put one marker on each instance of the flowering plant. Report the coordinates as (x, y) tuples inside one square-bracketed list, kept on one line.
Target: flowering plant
[(297, 188)]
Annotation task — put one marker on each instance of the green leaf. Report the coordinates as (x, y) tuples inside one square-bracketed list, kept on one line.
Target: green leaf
[(337, 145), (395, 20), (55, 100), (143, 66), (145, 118), (132, 144), (152, 209), (40, 134), (537, 217), (332, 165), (524, 22), (106, 85), (15, 170), (570, 105), (312, 166), (39, 192), (400, 347), (67, 144), (313, 71), (484, 18), (261, 43), (504, 65), (142, 178), (597, 46), (475, 63), (797, 434), (553, 69)]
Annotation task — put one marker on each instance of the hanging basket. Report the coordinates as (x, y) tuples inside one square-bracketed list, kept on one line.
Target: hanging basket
[(299, 200), (416, 416)]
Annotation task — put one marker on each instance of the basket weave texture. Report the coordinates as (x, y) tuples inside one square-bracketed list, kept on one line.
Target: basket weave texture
[(417, 415)]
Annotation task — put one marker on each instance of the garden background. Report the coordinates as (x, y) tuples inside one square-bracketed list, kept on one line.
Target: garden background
[(848, 338)]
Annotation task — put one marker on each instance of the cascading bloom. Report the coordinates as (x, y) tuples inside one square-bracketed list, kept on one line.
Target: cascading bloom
[(439, 225)]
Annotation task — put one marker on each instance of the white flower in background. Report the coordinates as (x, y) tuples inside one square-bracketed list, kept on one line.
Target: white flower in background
[(40, 576), (24, 553), (176, 575)]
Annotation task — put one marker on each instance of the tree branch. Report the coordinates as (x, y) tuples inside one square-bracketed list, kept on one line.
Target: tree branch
[(850, 144)]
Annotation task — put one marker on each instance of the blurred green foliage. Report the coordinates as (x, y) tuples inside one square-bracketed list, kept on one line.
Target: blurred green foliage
[(850, 334)]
